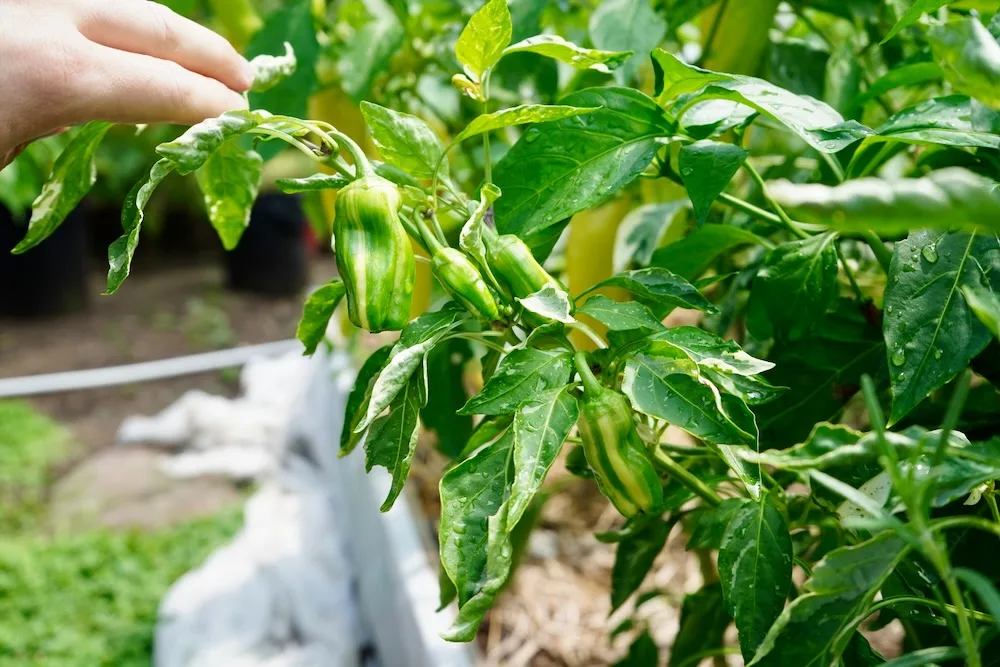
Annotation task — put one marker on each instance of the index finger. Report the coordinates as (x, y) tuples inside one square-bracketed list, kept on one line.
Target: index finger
[(151, 29)]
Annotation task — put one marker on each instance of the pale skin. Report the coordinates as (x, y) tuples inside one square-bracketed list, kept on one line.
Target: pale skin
[(67, 62)]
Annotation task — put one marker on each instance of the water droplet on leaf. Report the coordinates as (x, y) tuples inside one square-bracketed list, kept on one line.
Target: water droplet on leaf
[(899, 357), (930, 253)]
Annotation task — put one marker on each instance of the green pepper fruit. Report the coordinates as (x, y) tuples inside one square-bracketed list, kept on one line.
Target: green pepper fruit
[(463, 281), (513, 264), (374, 254), (614, 450)]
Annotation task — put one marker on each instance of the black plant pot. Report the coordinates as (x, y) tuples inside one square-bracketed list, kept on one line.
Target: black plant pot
[(51, 278), (271, 258)]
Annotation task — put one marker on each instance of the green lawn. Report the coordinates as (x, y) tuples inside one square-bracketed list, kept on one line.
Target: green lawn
[(84, 599)]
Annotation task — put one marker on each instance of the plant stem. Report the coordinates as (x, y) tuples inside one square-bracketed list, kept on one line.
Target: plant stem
[(927, 602), (955, 406), (487, 162), (782, 216), (591, 385), (882, 252), (849, 273), (685, 477), (589, 333)]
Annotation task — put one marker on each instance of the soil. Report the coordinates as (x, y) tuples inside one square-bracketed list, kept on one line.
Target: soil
[(155, 315)]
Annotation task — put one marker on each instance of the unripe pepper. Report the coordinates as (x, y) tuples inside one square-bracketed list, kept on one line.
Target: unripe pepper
[(374, 255), (464, 282), (614, 450), (513, 264)]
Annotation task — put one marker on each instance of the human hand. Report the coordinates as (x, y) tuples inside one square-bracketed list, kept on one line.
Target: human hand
[(66, 62)]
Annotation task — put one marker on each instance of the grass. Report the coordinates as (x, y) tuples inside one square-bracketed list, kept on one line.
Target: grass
[(86, 599)]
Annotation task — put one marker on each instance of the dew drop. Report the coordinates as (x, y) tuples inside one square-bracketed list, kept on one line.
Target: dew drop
[(938, 353), (930, 253), (888, 309), (898, 357), (900, 377)]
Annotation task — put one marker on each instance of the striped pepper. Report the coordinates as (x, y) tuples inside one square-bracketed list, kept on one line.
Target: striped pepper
[(614, 450), (374, 254)]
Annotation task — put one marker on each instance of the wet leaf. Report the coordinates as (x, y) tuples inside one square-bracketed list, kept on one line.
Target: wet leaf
[(228, 181), (600, 153), (133, 211), (706, 168), (541, 426), (710, 526), (842, 585), (317, 312), (634, 558), (793, 289), (357, 400), (969, 56), (659, 289), (519, 115), (627, 25), (485, 36), (192, 149), (73, 174), (985, 304), (554, 46), (522, 375), (931, 333), (815, 122), (392, 438), (620, 316), (551, 302), (404, 141), (755, 569), (693, 255)]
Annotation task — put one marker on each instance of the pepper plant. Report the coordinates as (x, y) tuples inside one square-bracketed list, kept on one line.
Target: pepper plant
[(840, 390)]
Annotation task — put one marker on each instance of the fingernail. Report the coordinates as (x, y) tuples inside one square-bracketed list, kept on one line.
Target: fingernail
[(248, 74)]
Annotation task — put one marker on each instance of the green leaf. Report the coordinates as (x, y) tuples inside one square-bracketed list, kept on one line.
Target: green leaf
[(755, 569), (551, 302), (644, 228), (228, 182), (859, 653), (984, 590), (946, 199), (643, 652), (446, 395), (73, 174), (357, 400), (927, 656), (706, 168), (473, 513), (541, 426), (793, 289), (912, 74), (712, 352), (809, 632), (656, 389), (554, 46), (404, 141), (499, 562), (317, 313), (691, 256), (192, 149), (269, 71), (415, 341), (486, 431), (519, 115), (703, 622), (969, 56), (121, 251), (293, 24), (368, 53), (985, 305), (484, 38), (822, 371), (827, 446), (600, 153), (816, 123), (620, 316), (660, 289), (634, 559), (931, 333), (392, 438), (710, 526), (313, 183), (522, 375), (917, 9), (956, 120), (627, 25)]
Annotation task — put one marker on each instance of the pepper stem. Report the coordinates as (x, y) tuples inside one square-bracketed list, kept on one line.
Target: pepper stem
[(591, 385), (362, 167)]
